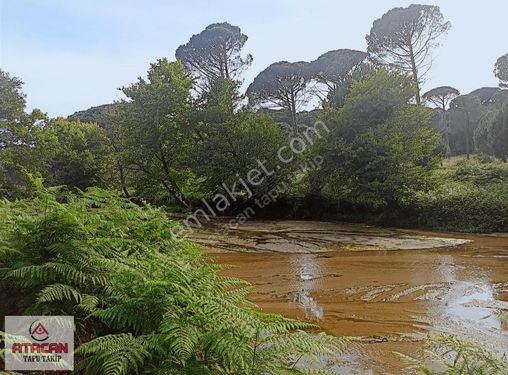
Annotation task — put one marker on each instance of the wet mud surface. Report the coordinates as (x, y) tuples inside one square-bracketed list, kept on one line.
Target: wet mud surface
[(390, 287)]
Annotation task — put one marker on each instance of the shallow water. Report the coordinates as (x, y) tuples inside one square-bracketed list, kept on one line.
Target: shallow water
[(391, 287)]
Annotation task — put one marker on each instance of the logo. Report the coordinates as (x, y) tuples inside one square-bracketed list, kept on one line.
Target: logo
[(39, 343), (38, 332)]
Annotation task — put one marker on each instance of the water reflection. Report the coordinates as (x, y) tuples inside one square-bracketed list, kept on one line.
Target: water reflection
[(466, 300), (307, 272)]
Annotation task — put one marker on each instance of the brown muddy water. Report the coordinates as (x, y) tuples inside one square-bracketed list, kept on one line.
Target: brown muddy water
[(390, 287)]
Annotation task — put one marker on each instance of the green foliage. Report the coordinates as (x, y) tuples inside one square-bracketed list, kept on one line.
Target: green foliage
[(332, 66), (102, 115), (229, 149), (382, 149), (501, 70), (465, 114), (282, 85), (82, 156), (156, 133), (221, 101), (214, 53), (481, 174), (143, 301), (70, 153), (491, 136), (441, 96), (12, 99), (449, 356), (65, 152), (471, 197), (231, 142), (14, 125), (336, 96), (108, 117), (404, 37), (475, 122), (335, 71), (179, 151), (486, 95), (374, 99)]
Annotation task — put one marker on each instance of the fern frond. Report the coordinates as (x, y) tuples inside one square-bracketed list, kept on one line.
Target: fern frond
[(59, 292), (52, 271), (182, 338), (115, 354)]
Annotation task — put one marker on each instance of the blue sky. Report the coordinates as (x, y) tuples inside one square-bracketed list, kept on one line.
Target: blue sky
[(75, 54)]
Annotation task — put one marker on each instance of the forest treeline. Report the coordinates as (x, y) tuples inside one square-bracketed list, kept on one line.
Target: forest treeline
[(187, 129)]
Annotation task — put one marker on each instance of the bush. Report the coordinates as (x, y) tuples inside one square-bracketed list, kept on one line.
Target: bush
[(464, 208), (380, 150), (472, 197), (482, 173)]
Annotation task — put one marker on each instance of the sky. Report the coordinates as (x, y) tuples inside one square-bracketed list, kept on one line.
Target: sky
[(74, 54)]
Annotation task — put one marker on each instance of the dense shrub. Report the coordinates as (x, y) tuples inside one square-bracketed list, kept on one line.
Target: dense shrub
[(472, 196), (481, 173), (380, 150)]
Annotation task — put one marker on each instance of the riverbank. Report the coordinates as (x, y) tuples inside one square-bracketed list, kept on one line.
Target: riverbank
[(469, 196)]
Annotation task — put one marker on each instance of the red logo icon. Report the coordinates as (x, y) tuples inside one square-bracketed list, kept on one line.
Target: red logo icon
[(38, 332)]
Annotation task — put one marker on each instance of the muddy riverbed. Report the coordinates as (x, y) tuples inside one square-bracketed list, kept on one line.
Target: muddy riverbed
[(391, 287)]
